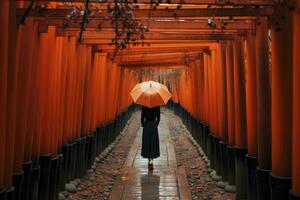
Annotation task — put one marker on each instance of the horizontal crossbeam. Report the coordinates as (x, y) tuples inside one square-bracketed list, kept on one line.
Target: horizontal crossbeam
[(181, 13), (195, 2)]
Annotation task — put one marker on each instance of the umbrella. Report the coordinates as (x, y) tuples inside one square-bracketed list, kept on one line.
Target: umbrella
[(150, 94)]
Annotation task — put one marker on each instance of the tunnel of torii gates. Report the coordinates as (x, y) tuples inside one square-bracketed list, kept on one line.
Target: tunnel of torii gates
[(235, 85)]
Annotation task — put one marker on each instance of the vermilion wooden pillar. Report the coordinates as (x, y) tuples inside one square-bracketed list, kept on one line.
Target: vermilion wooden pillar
[(263, 109), (282, 58), (64, 62), (86, 98), (4, 16), (206, 94), (67, 132), (214, 92), (200, 87), (44, 79), (251, 95), (215, 123), (296, 108), (30, 173), (209, 87), (48, 157), (230, 93), (240, 118), (33, 47), (223, 122), (40, 89), (23, 94), (230, 116), (25, 66), (102, 87), (210, 99), (11, 100), (251, 105)]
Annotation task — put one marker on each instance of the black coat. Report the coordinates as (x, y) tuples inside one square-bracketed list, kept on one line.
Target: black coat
[(150, 141)]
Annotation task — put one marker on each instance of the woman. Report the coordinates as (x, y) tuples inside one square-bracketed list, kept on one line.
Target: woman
[(150, 141)]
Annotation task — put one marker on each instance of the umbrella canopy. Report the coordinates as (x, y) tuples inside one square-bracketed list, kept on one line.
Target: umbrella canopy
[(150, 94)]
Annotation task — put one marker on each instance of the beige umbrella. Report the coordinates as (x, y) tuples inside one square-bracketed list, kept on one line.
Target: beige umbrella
[(150, 94)]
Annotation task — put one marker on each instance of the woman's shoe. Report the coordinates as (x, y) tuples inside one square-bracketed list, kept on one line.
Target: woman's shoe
[(151, 167)]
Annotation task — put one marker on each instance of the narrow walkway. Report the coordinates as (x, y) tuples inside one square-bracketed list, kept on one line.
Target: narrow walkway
[(167, 181)]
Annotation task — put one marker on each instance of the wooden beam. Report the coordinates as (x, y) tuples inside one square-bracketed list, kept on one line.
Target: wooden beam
[(156, 50), (194, 2), (164, 36), (149, 42), (154, 66), (158, 46), (203, 12), (155, 56), (155, 25)]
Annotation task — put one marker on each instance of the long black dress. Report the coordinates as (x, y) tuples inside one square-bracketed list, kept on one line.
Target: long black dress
[(150, 141)]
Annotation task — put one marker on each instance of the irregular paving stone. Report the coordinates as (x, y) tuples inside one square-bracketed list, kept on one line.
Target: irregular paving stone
[(70, 188), (92, 178), (61, 196)]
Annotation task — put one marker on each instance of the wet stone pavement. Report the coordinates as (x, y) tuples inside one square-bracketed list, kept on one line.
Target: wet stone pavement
[(123, 174), (165, 182)]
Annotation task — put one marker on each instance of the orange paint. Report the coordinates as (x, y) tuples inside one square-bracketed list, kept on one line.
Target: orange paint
[(223, 122), (4, 13), (230, 93), (282, 57), (251, 101), (12, 81), (23, 94), (263, 85), (239, 94), (206, 89), (296, 106), (31, 123)]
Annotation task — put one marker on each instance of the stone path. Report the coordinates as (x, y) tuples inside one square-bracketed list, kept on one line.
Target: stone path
[(122, 174), (167, 181)]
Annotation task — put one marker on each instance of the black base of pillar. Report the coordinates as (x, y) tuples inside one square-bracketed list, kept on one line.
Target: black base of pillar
[(60, 158), (252, 163), (53, 187), (218, 158), (294, 196), (241, 172), (211, 152), (94, 147), (45, 163), (80, 170), (89, 151), (102, 141), (231, 165), (2, 194), (224, 158), (205, 130), (73, 160), (10, 193), (65, 150), (18, 179), (263, 184), (280, 187), (27, 167), (34, 183)]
